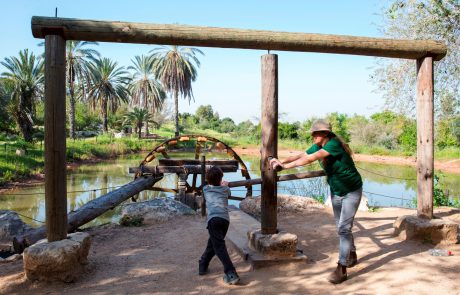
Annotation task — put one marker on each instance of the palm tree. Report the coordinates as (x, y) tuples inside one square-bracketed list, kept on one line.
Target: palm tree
[(108, 86), (24, 77), (145, 90), (175, 68), (77, 58), (137, 117)]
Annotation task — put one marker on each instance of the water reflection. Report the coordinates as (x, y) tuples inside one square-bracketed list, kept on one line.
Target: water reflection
[(384, 185)]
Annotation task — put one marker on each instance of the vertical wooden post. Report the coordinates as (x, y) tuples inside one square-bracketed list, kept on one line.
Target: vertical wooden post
[(425, 136), (269, 124), (203, 181), (55, 137)]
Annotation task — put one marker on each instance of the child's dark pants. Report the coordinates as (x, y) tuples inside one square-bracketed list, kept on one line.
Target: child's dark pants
[(217, 228)]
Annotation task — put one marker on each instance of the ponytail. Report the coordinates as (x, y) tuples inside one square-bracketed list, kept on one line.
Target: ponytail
[(345, 146)]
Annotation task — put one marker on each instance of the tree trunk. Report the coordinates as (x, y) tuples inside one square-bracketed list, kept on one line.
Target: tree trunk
[(176, 112), (105, 116), (139, 131), (89, 211), (72, 110), (22, 120)]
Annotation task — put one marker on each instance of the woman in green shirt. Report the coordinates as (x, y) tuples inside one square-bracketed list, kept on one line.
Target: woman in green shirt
[(345, 183)]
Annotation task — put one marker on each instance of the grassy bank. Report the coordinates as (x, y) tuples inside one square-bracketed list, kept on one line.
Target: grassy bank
[(14, 167)]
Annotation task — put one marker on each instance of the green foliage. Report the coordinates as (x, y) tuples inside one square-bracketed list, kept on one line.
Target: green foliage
[(288, 130), (408, 138), (440, 196), (339, 125)]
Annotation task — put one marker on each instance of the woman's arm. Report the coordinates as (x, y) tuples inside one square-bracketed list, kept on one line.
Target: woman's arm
[(302, 159)]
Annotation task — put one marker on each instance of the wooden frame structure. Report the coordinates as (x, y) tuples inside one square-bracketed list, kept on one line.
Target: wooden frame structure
[(56, 31)]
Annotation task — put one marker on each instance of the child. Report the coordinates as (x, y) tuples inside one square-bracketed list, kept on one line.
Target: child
[(216, 195)]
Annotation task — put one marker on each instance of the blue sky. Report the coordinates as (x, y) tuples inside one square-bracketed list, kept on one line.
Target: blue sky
[(310, 84)]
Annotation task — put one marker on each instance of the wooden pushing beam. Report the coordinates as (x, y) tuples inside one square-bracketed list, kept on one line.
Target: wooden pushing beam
[(142, 33)]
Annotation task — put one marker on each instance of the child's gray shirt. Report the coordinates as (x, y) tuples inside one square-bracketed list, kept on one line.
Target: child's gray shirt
[(217, 201)]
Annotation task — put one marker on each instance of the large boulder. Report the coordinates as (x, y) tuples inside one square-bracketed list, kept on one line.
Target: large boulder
[(156, 210), (59, 260), (286, 204), (11, 225)]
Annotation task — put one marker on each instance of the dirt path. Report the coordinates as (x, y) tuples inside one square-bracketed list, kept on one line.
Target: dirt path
[(450, 166), (162, 259)]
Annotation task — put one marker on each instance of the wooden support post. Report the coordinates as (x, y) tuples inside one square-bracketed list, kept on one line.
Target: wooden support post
[(203, 180), (269, 122), (425, 142), (55, 137)]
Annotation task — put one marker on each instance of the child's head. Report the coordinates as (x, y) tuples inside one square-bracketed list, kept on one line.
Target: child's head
[(214, 175)]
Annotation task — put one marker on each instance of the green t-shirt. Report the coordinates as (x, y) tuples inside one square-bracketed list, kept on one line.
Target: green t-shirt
[(340, 169)]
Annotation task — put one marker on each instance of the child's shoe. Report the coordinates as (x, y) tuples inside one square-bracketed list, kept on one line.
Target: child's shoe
[(202, 269), (231, 278)]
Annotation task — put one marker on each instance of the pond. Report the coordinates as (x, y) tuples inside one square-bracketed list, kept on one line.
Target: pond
[(384, 185)]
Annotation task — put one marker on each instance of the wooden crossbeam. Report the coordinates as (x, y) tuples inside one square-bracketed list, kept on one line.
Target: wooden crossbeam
[(142, 33)]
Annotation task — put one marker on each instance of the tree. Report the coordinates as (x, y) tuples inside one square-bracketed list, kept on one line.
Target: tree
[(175, 67), (137, 117), (108, 86), (145, 90), (25, 80), (77, 58), (421, 19), (5, 96)]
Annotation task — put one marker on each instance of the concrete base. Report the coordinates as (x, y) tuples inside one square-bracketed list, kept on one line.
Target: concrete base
[(282, 244), (241, 224), (58, 260), (435, 231)]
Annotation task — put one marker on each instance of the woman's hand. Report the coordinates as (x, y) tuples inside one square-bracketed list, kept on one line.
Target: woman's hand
[(224, 183), (276, 164)]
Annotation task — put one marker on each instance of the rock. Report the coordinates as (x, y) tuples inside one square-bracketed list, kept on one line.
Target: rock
[(282, 244), (119, 135), (59, 260), (435, 231), (11, 225), (363, 205), (286, 204), (156, 210)]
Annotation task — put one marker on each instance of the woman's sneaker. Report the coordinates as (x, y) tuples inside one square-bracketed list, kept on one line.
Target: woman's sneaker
[(231, 278)]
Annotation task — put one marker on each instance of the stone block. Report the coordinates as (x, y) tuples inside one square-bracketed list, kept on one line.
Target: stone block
[(436, 231), (59, 260), (282, 244)]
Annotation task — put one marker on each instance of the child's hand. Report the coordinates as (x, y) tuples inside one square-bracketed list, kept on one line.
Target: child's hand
[(224, 183)]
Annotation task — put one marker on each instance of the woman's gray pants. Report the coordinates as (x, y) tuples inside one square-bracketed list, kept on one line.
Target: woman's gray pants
[(345, 208)]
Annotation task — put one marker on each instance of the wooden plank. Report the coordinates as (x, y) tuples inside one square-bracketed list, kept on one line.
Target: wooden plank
[(89, 211), (425, 137), (141, 33), (55, 138), (180, 162), (269, 148), (286, 177), (187, 169)]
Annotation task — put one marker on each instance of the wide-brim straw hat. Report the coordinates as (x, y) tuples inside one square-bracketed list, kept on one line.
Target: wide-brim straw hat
[(320, 125)]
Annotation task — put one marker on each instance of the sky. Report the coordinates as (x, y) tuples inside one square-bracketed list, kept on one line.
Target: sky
[(310, 84)]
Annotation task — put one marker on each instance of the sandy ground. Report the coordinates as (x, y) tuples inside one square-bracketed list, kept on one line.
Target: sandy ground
[(451, 166), (162, 259)]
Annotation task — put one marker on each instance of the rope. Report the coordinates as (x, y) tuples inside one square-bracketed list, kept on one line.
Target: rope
[(30, 217), (412, 179)]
